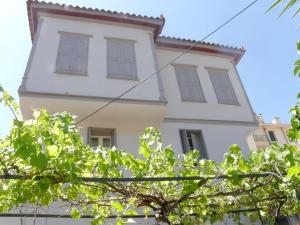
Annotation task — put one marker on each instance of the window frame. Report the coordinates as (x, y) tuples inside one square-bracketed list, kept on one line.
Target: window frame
[(226, 71), (202, 98), (96, 132), (101, 137), (134, 76), (273, 134), (72, 34), (200, 132)]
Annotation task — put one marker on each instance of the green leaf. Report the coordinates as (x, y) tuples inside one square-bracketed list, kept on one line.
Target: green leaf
[(131, 201), (131, 212), (119, 221), (44, 184), (297, 71), (274, 4), (39, 161), (52, 150), (145, 151), (236, 179), (289, 5), (75, 214), (293, 171), (118, 206)]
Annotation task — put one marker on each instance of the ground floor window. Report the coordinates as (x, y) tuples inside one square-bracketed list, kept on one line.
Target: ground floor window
[(101, 137), (193, 139)]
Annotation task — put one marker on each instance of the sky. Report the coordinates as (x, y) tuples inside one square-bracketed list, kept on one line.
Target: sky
[(266, 69)]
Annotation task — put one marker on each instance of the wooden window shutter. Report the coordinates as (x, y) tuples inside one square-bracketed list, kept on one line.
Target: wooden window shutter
[(72, 57), (198, 143), (189, 83), (121, 61), (89, 134), (184, 141), (223, 87)]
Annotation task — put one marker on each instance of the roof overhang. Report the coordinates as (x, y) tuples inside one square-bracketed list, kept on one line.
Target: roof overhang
[(36, 7), (199, 46)]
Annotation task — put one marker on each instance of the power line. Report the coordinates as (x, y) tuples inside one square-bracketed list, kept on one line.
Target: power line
[(167, 64)]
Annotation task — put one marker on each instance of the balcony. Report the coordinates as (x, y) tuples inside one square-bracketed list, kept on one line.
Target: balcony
[(132, 113)]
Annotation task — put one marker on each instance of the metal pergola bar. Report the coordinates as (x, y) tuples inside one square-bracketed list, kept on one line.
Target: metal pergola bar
[(138, 179), (64, 216)]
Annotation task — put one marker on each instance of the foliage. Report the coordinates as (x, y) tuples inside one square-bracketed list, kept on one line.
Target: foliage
[(44, 160), (287, 5)]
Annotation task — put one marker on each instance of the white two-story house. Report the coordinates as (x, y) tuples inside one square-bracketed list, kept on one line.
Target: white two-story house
[(83, 58)]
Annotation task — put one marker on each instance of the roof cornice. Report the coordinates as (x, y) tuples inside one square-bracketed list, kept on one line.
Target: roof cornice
[(200, 46), (34, 7)]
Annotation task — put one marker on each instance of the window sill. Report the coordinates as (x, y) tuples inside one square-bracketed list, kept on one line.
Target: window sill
[(69, 73), (238, 104), (122, 77), (192, 101)]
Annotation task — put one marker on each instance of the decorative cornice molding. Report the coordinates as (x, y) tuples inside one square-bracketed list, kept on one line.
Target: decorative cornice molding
[(25, 93), (211, 122)]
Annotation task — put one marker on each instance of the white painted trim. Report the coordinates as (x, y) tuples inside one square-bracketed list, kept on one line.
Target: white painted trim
[(119, 39), (211, 122), (161, 90), (245, 93), (88, 98), (31, 56), (75, 34)]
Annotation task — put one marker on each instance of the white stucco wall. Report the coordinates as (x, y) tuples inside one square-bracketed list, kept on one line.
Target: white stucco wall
[(41, 76), (209, 109), (217, 137)]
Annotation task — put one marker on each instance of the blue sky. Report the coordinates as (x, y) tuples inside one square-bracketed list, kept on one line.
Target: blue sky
[(266, 68)]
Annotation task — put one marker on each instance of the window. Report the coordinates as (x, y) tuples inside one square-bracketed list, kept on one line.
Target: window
[(222, 86), (104, 141), (72, 56), (193, 139), (272, 135), (189, 83), (121, 61), (101, 137)]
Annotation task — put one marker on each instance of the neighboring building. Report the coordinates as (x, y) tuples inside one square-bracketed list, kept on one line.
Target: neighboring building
[(82, 58), (264, 136), (268, 133)]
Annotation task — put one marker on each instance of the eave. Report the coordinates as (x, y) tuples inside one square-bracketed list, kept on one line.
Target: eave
[(36, 7), (200, 46)]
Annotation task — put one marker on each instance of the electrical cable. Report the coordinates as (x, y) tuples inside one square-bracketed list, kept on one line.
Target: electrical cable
[(167, 64)]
